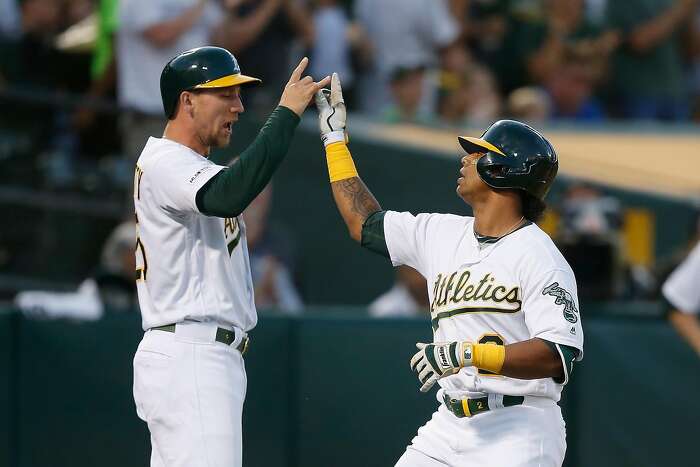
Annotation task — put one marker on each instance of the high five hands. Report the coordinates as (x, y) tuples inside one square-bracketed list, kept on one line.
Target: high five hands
[(298, 91), (331, 112)]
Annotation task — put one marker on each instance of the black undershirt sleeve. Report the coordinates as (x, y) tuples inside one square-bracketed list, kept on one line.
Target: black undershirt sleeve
[(230, 191), (373, 234)]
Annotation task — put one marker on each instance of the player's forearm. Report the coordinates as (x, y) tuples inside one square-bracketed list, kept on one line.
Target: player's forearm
[(531, 359), (232, 190), (355, 203), (688, 327)]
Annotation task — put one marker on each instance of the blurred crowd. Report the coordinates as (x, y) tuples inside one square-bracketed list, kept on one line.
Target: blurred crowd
[(422, 61), (435, 62)]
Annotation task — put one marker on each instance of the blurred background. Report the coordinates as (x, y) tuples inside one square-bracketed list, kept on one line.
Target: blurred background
[(615, 85)]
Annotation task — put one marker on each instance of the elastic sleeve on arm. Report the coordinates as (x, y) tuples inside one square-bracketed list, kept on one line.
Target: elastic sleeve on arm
[(373, 234), (231, 191), (568, 356)]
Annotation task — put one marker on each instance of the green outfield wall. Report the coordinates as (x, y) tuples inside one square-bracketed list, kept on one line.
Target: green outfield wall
[(332, 389)]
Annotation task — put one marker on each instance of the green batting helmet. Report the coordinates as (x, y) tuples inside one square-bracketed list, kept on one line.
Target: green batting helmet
[(517, 157), (200, 68)]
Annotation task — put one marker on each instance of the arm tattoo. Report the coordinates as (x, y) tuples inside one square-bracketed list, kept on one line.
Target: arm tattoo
[(362, 201)]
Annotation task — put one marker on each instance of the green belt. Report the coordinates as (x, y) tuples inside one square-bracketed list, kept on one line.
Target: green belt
[(224, 336), (470, 407)]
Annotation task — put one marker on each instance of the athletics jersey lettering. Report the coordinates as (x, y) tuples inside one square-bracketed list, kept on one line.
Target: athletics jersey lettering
[(232, 233), (448, 291)]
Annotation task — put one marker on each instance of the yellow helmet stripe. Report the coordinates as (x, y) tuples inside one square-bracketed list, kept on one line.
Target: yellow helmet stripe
[(227, 81), (483, 143)]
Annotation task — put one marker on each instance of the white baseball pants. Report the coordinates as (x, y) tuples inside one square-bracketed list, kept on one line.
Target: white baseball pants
[(529, 435), (190, 389)]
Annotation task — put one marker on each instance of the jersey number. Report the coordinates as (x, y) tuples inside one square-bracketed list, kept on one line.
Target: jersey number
[(490, 339), (141, 266)]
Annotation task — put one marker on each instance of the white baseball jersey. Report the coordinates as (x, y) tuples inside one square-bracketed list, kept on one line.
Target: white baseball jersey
[(189, 266), (515, 289), (681, 288)]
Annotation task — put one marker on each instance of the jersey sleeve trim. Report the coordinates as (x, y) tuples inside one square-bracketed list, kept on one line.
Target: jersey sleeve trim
[(373, 234), (567, 354), (203, 178)]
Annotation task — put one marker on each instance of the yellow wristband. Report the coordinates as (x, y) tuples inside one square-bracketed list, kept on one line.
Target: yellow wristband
[(340, 163), (488, 357)]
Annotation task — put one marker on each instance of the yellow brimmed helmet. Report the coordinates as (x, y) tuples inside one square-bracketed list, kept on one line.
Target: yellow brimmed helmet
[(200, 68), (516, 156)]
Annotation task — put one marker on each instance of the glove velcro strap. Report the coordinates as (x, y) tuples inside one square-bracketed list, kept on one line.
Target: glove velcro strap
[(340, 163), (453, 355), (337, 136)]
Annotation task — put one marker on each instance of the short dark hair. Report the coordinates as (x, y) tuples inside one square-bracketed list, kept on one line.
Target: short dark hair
[(532, 208)]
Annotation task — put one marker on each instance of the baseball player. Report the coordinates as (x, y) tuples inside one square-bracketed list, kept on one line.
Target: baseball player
[(504, 309), (192, 269), (683, 296)]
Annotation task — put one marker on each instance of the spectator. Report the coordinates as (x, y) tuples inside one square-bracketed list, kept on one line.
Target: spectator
[(589, 238), (336, 41), (264, 33), (99, 135), (524, 42), (694, 52), (683, 296), (407, 87), (110, 287), (529, 103), (468, 98), (407, 297), (571, 89), (10, 21), (270, 258), (647, 77), (404, 33)]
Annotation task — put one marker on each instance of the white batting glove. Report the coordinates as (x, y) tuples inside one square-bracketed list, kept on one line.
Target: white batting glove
[(434, 361), (331, 112)]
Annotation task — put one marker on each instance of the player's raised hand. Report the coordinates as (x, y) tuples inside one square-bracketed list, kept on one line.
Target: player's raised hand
[(331, 112), (433, 361), (298, 92)]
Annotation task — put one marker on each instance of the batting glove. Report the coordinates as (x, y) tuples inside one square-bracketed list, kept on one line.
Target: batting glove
[(434, 361), (331, 112)]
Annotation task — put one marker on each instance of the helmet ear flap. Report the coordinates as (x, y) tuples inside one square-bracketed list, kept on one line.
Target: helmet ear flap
[(490, 170)]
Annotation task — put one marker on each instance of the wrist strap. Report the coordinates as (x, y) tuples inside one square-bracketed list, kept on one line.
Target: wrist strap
[(488, 357), (340, 163), (333, 137)]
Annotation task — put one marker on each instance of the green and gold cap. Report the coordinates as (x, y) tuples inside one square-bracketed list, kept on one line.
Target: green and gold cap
[(201, 68)]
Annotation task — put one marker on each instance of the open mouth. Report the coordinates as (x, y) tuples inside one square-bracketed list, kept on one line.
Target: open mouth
[(228, 126)]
